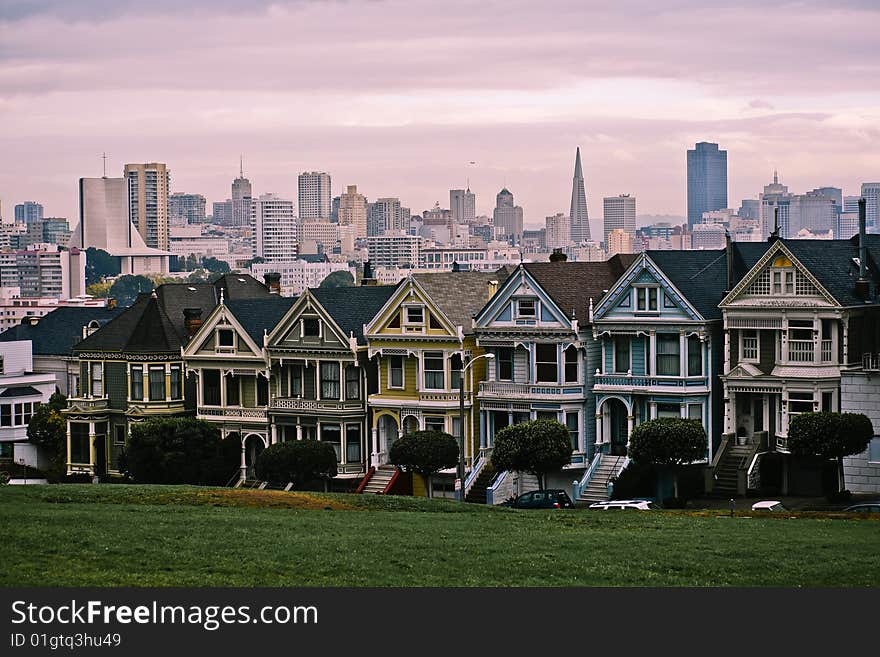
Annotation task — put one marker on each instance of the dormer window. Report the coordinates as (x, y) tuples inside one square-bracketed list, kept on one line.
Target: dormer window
[(225, 339), (415, 315), (646, 299), (311, 327), (526, 308)]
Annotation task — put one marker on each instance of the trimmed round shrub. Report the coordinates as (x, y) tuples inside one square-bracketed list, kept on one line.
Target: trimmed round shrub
[(299, 462), (426, 453), (537, 447)]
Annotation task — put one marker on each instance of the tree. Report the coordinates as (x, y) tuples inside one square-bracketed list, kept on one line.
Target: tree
[(100, 265), (538, 447), (668, 442), (297, 461), (179, 450), (48, 431), (426, 453), (830, 436), (214, 265), (339, 278), (125, 289), (99, 290), (191, 262)]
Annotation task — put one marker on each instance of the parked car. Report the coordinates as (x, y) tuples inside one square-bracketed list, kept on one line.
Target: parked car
[(864, 507), (769, 505), (550, 498), (642, 505)]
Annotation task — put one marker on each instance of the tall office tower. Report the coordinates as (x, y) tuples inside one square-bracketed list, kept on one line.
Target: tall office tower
[(507, 217), (242, 195), (463, 204), (750, 208), (314, 195), (386, 214), (334, 209), (221, 212), (871, 194), (558, 231), (834, 193), (28, 212), (148, 201), (851, 204), (353, 210), (580, 220), (186, 208), (706, 180), (774, 197), (274, 226), (814, 211), (618, 212)]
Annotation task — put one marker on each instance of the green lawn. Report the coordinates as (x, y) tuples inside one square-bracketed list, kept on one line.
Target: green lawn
[(113, 535)]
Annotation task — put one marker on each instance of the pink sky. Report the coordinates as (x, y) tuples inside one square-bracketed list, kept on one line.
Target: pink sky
[(399, 97)]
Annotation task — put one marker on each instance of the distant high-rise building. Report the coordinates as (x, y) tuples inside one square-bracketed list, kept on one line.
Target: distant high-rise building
[(871, 194), (706, 180), (619, 241), (353, 210), (186, 208), (274, 228), (507, 217), (618, 212), (750, 208), (558, 231), (463, 204), (314, 195), (386, 214), (242, 196), (28, 212), (834, 193), (148, 202), (578, 216), (775, 206), (851, 204), (334, 209), (221, 212)]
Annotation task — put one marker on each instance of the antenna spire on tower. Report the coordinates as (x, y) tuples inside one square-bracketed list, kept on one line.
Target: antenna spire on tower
[(241, 166), (104, 157), (775, 177)]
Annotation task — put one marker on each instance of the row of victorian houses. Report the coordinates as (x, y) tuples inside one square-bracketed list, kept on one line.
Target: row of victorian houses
[(741, 339)]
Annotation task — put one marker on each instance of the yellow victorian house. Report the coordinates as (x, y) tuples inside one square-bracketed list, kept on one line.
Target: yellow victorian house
[(420, 340)]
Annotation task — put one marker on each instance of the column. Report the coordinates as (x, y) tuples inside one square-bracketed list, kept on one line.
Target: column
[(682, 354), (652, 360), (817, 339), (274, 433), (682, 411), (341, 381), (69, 460), (199, 396), (600, 438), (299, 430), (93, 455), (630, 422), (730, 413), (243, 465), (653, 411), (727, 352), (374, 454), (222, 388), (483, 436)]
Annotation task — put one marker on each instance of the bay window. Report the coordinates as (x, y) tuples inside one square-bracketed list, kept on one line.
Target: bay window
[(329, 380), (668, 363), (331, 433), (504, 360), (157, 382), (570, 358), (352, 443), (695, 356), (137, 382), (352, 382), (211, 387), (433, 365)]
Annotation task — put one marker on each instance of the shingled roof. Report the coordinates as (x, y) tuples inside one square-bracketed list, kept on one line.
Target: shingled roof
[(834, 264), (701, 276), (352, 307), (56, 333), (572, 284), (259, 315), (461, 294)]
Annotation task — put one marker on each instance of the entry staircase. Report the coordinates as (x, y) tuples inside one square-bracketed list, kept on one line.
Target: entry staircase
[(377, 481), (477, 492), (596, 489), (735, 458)]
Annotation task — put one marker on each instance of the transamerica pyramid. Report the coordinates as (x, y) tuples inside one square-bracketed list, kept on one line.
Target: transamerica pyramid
[(580, 221)]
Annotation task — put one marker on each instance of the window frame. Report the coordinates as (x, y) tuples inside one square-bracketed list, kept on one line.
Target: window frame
[(545, 364), (690, 341), (175, 387), (136, 382), (518, 307), (160, 370), (221, 331), (328, 382), (571, 368), (391, 370), (615, 360), (743, 346), (499, 361), (666, 338), (441, 373), (352, 382)]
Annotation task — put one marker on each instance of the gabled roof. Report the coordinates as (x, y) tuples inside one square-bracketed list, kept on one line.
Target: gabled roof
[(353, 307), (573, 284), (461, 294), (701, 276), (259, 315), (56, 333), (833, 263)]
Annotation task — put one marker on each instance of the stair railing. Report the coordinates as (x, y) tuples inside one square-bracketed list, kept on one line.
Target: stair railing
[(474, 473), (495, 485), (236, 477), (584, 483), (367, 477)]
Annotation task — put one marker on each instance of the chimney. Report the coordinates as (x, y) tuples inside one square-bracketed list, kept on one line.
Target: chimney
[(273, 282), (368, 275), (456, 267), (192, 320), (728, 248), (775, 234), (493, 287), (558, 256), (862, 285)]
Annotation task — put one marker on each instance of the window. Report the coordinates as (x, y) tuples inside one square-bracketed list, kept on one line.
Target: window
[(668, 410), (455, 371), (621, 354), (545, 363), (415, 314), (800, 402), (504, 367), (137, 382), (750, 345), (157, 383), (695, 356), (291, 381), (526, 308), (352, 382), (570, 358), (572, 423), (433, 363), (6, 415), (456, 427), (225, 339), (120, 434), (19, 415), (97, 379), (79, 443), (874, 450), (395, 372), (783, 281), (233, 391), (176, 389), (262, 391), (435, 424), (646, 298), (211, 387), (828, 402), (331, 433), (83, 378), (800, 341), (668, 354), (329, 380), (311, 327), (352, 443), (695, 412)]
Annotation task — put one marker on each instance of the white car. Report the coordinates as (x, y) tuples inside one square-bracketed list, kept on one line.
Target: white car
[(643, 505), (769, 505)]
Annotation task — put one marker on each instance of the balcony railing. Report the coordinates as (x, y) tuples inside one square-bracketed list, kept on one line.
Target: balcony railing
[(826, 351), (296, 404), (871, 362), (628, 381), (530, 390), (233, 412), (89, 404), (800, 351)]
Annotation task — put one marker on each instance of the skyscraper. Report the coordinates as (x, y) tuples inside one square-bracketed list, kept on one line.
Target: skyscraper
[(148, 202), (618, 212), (463, 204), (274, 225), (775, 197), (558, 231), (507, 217), (242, 196), (707, 180), (28, 212), (314, 195), (186, 208), (386, 214), (871, 194), (353, 210), (578, 216)]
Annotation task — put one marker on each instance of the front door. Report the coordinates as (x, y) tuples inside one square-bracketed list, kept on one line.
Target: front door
[(100, 455), (619, 436)]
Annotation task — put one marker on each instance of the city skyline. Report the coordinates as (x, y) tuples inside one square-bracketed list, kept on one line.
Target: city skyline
[(410, 130)]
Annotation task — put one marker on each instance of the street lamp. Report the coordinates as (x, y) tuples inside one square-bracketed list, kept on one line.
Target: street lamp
[(464, 370)]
